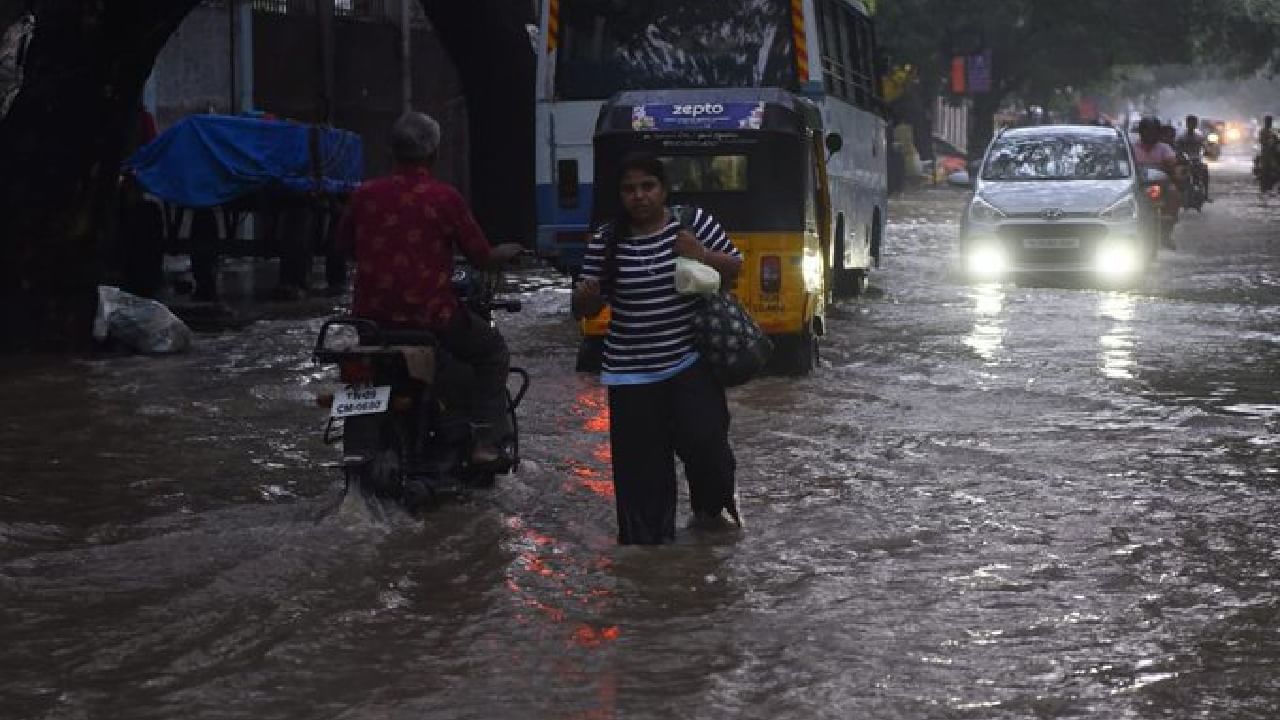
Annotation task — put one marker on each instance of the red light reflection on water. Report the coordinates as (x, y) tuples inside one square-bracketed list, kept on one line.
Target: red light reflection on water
[(550, 582)]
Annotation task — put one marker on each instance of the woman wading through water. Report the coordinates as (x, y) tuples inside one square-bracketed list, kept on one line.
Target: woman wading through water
[(663, 400)]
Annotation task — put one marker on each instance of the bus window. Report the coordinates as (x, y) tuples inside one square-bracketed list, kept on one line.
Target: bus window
[(829, 21), (567, 176), (606, 46), (865, 65)]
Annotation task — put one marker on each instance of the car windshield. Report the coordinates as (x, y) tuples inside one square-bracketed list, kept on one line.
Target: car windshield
[(1063, 157)]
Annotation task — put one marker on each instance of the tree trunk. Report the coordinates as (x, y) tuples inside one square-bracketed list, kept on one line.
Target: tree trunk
[(60, 153)]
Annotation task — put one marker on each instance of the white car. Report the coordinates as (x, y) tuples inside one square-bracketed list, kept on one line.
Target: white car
[(1059, 199)]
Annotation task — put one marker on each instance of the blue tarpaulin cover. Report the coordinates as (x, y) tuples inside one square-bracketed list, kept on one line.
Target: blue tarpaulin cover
[(208, 160)]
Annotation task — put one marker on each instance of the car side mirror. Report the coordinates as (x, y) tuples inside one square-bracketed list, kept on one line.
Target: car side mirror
[(835, 143), (960, 178)]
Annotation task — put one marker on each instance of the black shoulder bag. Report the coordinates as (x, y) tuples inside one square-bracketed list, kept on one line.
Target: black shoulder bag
[(725, 334)]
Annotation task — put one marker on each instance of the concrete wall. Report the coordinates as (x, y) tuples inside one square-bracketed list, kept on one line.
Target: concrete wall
[(367, 83), (193, 71)]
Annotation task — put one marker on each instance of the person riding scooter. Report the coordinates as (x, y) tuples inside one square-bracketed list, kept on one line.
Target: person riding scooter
[(1150, 153), (403, 231), (1192, 144)]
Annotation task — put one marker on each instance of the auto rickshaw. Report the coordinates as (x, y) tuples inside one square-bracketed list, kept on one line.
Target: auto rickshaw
[(754, 158)]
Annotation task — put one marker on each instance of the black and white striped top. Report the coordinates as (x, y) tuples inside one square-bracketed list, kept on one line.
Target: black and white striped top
[(650, 334)]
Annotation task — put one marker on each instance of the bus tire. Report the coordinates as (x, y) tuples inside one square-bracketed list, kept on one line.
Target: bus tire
[(590, 355), (846, 282)]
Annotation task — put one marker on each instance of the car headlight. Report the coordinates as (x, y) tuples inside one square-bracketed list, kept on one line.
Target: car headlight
[(986, 261), (1233, 134), (984, 212), (1123, 209), (1116, 260)]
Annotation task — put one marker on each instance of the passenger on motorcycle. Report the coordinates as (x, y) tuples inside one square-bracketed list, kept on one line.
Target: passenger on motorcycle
[(403, 231), (1192, 144), (1150, 152)]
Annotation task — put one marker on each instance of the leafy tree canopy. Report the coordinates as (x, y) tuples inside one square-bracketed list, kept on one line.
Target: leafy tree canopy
[(1039, 48)]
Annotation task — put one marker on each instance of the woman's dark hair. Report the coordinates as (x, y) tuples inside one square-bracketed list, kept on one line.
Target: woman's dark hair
[(645, 162)]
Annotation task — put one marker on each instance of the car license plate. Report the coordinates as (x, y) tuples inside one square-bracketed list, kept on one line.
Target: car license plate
[(360, 400), (1051, 243)]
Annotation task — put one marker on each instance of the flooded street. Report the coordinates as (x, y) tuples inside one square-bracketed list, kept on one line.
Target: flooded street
[(991, 501)]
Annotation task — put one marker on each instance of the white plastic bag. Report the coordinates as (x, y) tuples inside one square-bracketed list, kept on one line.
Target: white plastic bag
[(140, 324), (695, 278)]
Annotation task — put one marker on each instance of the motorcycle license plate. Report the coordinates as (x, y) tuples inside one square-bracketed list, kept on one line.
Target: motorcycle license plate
[(1051, 243), (360, 400)]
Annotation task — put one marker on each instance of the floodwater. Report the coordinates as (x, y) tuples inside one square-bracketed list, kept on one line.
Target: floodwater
[(991, 501)]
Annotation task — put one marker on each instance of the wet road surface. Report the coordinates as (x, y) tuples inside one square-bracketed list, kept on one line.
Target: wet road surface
[(992, 501)]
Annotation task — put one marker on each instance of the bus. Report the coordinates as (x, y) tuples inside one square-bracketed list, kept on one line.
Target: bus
[(824, 50)]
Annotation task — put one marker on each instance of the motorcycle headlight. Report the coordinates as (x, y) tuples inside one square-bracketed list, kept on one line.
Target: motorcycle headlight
[(1123, 209), (984, 212), (1213, 137)]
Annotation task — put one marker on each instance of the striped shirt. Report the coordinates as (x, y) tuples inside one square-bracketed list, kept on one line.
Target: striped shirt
[(650, 337)]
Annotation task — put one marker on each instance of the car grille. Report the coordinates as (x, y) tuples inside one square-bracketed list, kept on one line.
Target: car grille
[(1013, 235)]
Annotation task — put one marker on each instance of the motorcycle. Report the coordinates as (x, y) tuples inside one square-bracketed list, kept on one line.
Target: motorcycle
[(1191, 182), (403, 413)]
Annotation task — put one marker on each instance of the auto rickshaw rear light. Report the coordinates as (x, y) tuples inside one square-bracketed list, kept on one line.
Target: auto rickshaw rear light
[(770, 274), (358, 371)]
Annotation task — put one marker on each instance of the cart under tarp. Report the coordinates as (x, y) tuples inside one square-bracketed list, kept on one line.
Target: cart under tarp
[(210, 160)]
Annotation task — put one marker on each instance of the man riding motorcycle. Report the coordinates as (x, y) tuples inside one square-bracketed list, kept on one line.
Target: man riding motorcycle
[(403, 231), (1192, 144)]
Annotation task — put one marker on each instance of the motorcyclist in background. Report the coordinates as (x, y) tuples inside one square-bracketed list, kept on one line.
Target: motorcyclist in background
[(1192, 144), (1150, 152), (1266, 164)]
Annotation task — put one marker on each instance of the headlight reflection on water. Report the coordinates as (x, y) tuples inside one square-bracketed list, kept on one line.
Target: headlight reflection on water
[(1118, 344), (988, 332)]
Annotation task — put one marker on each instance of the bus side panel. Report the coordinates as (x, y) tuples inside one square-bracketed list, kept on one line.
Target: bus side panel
[(564, 132), (858, 175)]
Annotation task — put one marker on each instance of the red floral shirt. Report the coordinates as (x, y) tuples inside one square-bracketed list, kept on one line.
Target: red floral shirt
[(403, 230)]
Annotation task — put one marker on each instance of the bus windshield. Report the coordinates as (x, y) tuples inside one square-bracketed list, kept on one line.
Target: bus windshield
[(607, 46)]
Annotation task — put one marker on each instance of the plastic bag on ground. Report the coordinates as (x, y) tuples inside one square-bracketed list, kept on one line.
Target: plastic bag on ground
[(139, 324)]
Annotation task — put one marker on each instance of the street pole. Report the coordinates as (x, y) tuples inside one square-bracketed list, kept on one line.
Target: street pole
[(406, 57), (232, 53), (324, 29)]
